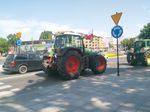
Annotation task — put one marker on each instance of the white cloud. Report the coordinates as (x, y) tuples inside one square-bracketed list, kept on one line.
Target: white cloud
[(32, 28), (28, 28), (140, 26)]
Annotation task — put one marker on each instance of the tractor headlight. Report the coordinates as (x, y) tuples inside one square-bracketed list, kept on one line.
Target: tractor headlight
[(142, 50)]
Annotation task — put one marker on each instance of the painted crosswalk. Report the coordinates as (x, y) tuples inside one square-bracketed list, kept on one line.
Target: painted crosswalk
[(1, 69), (7, 90)]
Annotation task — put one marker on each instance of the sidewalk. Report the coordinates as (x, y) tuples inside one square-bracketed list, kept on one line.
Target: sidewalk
[(107, 93)]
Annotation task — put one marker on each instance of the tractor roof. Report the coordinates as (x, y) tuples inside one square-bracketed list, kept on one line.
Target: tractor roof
[(68, 33), (144, 40)]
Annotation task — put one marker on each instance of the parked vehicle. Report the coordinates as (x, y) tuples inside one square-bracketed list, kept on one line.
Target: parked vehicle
[(23, 62), (140, 53), (70, 57)]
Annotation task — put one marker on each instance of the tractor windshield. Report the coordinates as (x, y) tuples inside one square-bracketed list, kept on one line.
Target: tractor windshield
[(62, 41), (139, 44)]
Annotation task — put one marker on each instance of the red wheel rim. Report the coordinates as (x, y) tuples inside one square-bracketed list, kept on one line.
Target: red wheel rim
[(72, 65), (101, 64)]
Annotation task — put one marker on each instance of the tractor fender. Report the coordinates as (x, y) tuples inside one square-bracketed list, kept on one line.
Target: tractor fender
[(65, 50), (93, 55), (145, 62)]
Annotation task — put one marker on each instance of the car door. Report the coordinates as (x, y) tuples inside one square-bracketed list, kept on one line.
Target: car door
[(34, 62), (38, 60)]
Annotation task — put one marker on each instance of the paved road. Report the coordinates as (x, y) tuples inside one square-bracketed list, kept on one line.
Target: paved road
[(35, 92)]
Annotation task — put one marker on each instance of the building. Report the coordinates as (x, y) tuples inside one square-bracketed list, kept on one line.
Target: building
[(96, 43)]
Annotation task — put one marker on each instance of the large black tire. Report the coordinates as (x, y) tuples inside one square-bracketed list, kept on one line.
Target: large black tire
[(69, 65), (98, 64), (131, 60), (146, 58), (47, 70), (45, 67)]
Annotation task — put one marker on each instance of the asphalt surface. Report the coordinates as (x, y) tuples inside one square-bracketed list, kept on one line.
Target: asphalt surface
[(44, 80), (37, 92)]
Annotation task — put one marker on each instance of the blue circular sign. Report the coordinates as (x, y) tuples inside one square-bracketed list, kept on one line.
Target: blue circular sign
[(19, 42), (117, 31)]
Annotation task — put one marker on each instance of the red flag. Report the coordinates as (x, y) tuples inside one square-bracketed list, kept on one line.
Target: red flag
[(90, 35)]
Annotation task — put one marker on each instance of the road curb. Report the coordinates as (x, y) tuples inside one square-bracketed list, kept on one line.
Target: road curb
[(116, 57)]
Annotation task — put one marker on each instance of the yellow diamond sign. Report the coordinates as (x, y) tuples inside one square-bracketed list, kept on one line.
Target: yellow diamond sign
[(18, 34), (116, 17)]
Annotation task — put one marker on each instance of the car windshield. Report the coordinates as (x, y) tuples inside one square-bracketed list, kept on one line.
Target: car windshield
[(68, 41)]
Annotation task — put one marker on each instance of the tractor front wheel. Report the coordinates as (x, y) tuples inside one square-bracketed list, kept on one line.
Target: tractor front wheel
[(130, 59), (69, 65)]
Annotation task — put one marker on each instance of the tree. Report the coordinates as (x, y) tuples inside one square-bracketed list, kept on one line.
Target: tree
[(145, 32), (12, 39), (46, 35), (127, 43), (3, 45)]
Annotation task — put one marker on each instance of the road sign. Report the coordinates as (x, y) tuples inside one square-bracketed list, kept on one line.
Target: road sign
[(19, 42), (18, 34), (117, 31), (116, 17)]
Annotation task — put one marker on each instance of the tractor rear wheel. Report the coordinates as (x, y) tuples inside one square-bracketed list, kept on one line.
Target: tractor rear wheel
[(98, 64), (131, 60), (69, 65), (146, 61)]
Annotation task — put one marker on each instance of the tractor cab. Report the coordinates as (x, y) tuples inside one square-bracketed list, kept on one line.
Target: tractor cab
[(64, 41), (138, 45), (141, 46)]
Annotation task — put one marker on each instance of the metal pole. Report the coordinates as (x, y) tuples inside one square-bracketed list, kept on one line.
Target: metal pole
[(117, 59), (19, 49)]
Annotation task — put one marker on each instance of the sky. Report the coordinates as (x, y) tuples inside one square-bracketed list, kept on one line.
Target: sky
[(31, 17)]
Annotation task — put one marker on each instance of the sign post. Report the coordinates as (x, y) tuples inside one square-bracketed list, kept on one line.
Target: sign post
[(18, 34), (117, 32)]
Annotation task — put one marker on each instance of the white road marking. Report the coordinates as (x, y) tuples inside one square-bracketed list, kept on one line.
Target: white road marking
[(6, 94), (147, 70), (19, 75), (1, 83), (5, 87), (15, 89)]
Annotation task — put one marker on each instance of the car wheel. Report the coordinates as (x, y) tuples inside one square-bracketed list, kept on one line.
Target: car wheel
[(23, 69)]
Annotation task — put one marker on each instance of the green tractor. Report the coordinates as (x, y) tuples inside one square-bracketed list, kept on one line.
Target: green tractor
[(70, 57), (140, 53)]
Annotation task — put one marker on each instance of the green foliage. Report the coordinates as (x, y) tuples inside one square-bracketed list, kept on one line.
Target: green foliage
[(12, 39), (46, 35), (145, 32), (3, 45), (127, 43)]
